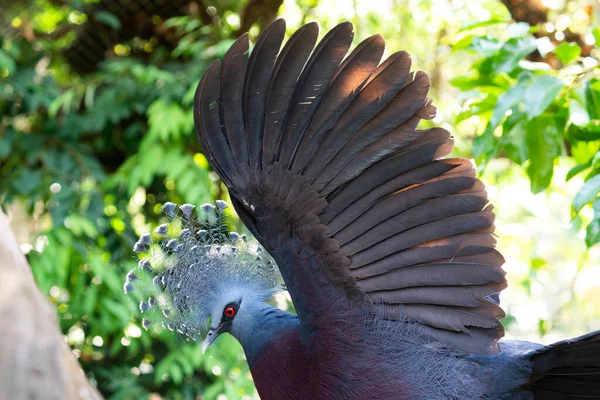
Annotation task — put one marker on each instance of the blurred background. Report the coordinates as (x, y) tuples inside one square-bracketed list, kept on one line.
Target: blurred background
[(96, 133)]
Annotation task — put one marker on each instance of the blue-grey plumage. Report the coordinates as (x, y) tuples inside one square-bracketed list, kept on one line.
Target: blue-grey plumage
[(386, 248), (393, 360), (396, 362)]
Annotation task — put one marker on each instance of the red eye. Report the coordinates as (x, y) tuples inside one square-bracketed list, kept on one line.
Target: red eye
[(230, 311)]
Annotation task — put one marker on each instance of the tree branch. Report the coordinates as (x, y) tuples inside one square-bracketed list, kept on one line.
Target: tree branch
[(262, 12), (35, 361)]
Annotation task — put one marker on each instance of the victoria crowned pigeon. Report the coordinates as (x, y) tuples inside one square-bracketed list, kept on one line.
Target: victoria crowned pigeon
[(385, 245)]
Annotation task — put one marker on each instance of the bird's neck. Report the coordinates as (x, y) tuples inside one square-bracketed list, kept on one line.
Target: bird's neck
[(268, 322)]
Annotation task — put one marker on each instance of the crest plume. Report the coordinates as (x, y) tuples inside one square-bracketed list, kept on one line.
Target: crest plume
[(184, 262)]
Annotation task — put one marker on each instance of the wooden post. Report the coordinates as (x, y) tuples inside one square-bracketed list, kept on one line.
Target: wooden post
[(35, 361)]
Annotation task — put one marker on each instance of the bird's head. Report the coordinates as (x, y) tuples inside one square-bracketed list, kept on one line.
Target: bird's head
[(234, 310), (223, 317), (198, 278)]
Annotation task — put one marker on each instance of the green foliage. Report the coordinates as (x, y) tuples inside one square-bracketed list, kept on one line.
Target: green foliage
[(93, 158), (108, 18), (567, 52), (531, 113)]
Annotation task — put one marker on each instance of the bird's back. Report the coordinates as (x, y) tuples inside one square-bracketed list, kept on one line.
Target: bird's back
[(372, 359), (288, 368)]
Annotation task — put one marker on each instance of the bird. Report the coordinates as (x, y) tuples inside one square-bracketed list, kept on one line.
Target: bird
[(385, 244)]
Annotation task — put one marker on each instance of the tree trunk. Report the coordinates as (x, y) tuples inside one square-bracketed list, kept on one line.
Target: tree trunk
[(533, 12), (35, 361)]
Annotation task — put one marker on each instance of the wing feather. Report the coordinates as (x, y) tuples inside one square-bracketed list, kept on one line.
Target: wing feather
[(339, 214), (326, 166), (460, 296), (345, 86), (455, 225), (260, 67), (381, 88), (387, 169), (208, 123), (379, 224), (233, 74), (287, 70), (457, 319), (407, 102), (311, 86)]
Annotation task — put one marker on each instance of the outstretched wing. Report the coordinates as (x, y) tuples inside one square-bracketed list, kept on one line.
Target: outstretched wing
[(325, 165)]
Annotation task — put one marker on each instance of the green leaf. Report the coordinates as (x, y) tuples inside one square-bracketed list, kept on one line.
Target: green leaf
[(587, 133), (63, 101), (214, 390), (596, 162), (462, 43), (497, 10), (587, 193), (596, 33), (6, 145), (165, 366), (576, 170), (176, 374), (592, 231), (480, 24), (80, 225), (583, 152), (485, 46), (513, 50), (485, 145), (90, 299), (513, 138), (7, 62), (508, 100), (483, 109), (567, 52), (108, 19), (185, 361), (168, 120), (466, 82), (592, 98), (538, 263), (27, 181), (90, 90), (117, 309), (540, 93), (543, 144), (483, 83)]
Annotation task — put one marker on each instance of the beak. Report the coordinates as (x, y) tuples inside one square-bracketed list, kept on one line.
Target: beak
[(212, 334)]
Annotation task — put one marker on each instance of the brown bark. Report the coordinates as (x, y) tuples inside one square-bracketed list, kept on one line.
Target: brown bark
[(531, 11), (35, 361), (262, 12)]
